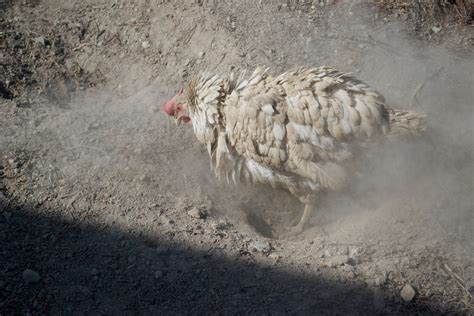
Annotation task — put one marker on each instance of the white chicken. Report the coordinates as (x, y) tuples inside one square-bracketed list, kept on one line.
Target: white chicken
[(298, 131)]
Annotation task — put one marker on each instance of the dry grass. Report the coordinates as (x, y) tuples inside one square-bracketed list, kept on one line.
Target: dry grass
[(437, 12)]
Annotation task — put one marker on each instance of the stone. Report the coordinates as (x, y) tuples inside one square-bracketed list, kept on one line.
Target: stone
[(407, 293), (31, 276), (338, 261), (260, 246), (196, 213)]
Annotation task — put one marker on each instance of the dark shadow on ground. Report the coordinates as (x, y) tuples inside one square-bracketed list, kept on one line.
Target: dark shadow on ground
[(88, 269)]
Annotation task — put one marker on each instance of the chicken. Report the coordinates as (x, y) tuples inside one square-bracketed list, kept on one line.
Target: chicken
[(299, 131)]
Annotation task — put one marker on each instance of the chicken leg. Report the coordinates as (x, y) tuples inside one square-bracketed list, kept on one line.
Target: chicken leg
[(298, 228)]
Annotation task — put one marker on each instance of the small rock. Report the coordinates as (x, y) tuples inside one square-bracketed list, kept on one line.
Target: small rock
[(407, 293), (274, 256), (144, 178), (201, 54), (41, 40), (436, 29), (31, 276), (146, 44), (196, 213), (260, 246), (338, 261), (158, 274)]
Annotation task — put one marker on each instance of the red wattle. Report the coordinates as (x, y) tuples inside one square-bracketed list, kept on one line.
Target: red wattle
[(169, 107)]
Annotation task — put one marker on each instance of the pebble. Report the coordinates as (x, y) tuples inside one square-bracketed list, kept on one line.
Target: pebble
[(31, 276), (196, 213), (260, 246), (40, 40), (144, 178), (158, 274), (407, 293), (201, 54), (274, 256), (436, 29), (146, 44), (338, 261)]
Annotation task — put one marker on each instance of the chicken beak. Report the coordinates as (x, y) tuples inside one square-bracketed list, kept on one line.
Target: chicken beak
[(178, 119)]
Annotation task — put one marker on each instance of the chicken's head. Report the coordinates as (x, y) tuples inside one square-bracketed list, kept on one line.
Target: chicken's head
[(178, 108)]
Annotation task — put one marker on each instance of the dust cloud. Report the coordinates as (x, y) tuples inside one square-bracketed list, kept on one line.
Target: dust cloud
[(432, 174), (113, 136)]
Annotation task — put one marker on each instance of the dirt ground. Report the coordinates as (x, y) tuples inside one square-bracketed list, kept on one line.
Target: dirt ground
[(108, 208)]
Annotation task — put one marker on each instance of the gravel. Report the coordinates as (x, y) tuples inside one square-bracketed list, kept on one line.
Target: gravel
[(31, 276)]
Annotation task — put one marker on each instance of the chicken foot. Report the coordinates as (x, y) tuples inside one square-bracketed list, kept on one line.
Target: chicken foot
[(299, 228)]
